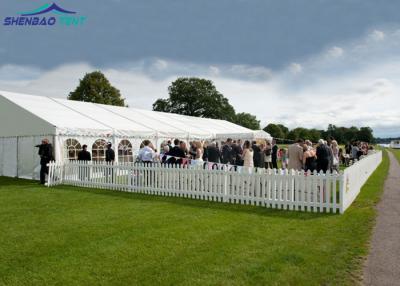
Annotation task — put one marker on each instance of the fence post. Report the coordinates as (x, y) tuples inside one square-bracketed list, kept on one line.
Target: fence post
[(225, 198), (342, 192), (49, 176)]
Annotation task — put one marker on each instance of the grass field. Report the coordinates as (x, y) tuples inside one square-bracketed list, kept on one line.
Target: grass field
[(67, 235), (396, 152)]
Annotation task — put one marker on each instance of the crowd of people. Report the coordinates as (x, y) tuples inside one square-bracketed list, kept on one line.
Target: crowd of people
[(324, 156), (262, 154), (301, 155)]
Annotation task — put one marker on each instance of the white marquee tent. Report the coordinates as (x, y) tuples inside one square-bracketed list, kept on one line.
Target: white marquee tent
[(26, 119)]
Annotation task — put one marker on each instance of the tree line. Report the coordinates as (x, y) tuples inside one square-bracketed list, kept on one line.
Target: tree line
[(341, 134), (199, 97)]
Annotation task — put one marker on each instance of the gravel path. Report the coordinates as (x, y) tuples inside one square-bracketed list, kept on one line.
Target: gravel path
[(383, 263)]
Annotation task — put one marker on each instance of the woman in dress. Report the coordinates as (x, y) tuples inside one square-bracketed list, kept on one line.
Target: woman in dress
[(197, 153), (335, 152), (284, 158), (309, 158), (247, 155), (268, 156)]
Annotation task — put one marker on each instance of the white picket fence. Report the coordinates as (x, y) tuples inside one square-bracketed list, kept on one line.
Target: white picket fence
[(355, 176), (282, 189)]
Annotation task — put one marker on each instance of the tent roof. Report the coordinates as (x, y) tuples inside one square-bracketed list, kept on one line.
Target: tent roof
[(77, 118), (252, 135)]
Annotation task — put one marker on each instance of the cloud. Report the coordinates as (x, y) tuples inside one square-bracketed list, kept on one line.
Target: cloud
[(377, 35), (160, 64), (335, 52), (16, 73), (354, 84), (295, 68), (249, 72), (214, 71)]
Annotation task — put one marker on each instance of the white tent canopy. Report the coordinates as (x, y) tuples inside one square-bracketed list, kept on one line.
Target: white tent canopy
[(26, 119), (261, 134), (66, 117), (252, 135)]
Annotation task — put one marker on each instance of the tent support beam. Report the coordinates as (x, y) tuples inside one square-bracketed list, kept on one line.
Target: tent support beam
[(17, 155)]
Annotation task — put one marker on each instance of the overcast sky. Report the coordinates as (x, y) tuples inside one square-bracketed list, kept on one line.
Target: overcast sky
[(301, 62)]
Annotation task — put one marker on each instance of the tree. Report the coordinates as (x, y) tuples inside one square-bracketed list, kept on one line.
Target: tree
[(350, 134), (196, 97), (275, 131), (247, 120), (365, 134), (299, 133), (314, 135), (95, 87), (284, 129)]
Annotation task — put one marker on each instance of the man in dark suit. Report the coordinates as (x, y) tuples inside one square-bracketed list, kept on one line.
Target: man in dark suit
[(236, 152), (84, 154), (110, 154), (110, 158), (169, 143), (238, 149), (258, 156), (46, 155), (227, 153), (213, 154), (175, 152), (274, 155), (323, 156)]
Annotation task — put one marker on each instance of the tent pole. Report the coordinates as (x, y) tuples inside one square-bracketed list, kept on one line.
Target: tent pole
[(54, 148), (17, 156), (114, 142), (157, 138)]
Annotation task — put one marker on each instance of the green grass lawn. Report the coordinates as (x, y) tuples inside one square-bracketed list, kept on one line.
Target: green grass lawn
[(74, 236), (396, 152)]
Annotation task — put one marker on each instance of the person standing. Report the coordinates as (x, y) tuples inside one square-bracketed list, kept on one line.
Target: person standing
[(84, 156), (110, 158), (227, 153), (354, 151), (347, 148), (110, 154), (323, 156), (175, 153), (268, 156), (238, 151), (205, 150), (169, 145), (309, 160), (247, 155), (46, 155), (147, 153), (335, 153), (274, 155), (198, 153), (329, 145), (295, 155), (163, 154), (258, 155), (284, 159), (192, 150), (213, 153)]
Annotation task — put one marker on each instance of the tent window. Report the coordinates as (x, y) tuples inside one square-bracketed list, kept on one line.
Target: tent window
[(72, 148), (99, 150), (125, 151)]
